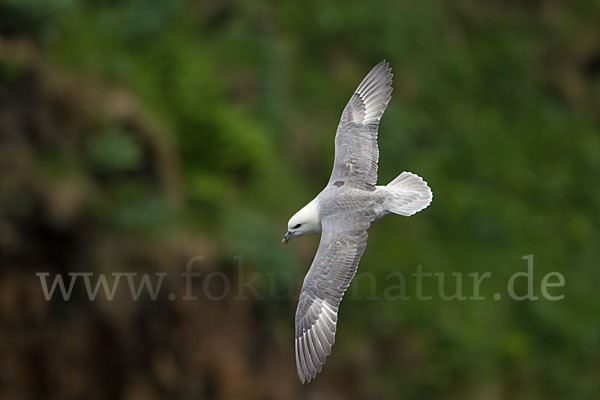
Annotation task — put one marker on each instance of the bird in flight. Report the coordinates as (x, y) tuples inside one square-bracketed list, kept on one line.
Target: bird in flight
[(342, 213)]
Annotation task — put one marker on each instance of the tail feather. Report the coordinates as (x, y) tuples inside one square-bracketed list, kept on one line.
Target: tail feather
[(408, 194)]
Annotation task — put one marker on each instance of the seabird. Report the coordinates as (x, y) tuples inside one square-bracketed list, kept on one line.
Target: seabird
[(342, 213)]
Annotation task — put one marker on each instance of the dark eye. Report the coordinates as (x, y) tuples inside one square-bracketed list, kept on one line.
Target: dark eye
[(297, 226)]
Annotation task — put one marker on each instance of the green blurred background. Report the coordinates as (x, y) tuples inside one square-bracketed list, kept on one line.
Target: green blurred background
[(135, 135)]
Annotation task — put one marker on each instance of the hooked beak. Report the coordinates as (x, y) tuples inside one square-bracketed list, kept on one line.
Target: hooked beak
[(287, 237)]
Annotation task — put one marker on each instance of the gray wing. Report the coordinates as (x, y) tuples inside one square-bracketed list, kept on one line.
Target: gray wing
[(343, 240), (356, 151)]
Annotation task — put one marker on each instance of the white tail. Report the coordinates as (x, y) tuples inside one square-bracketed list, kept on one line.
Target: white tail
[(408, 194)]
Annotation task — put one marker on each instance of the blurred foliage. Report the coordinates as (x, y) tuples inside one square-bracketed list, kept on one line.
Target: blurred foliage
[(495, 104)]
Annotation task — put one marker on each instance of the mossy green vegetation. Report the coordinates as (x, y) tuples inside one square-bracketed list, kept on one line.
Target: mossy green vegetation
[(495, 104)]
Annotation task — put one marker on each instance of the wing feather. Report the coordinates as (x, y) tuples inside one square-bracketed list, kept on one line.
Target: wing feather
[(343, 241), (356, 150)]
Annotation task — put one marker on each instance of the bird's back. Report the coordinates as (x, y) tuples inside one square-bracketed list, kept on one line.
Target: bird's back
[(341, 200)]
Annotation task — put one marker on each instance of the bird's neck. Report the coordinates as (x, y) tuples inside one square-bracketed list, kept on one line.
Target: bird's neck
[(310, 213)]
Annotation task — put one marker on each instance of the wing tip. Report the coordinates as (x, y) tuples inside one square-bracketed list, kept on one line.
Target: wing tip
[(313, 345), (307, 365), (380, 69), (386, 64), (375, 92)]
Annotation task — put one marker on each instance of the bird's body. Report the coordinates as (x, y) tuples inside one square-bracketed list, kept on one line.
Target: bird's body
[(342, 213)]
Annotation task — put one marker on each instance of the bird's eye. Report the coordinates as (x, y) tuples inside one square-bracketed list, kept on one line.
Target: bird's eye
[(297, 226)]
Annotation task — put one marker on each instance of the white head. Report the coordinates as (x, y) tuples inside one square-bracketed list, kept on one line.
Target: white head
[(304, 222)]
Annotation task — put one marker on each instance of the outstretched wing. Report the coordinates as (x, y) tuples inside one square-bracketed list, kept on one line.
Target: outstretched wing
[(343, 240), (356, 151)]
